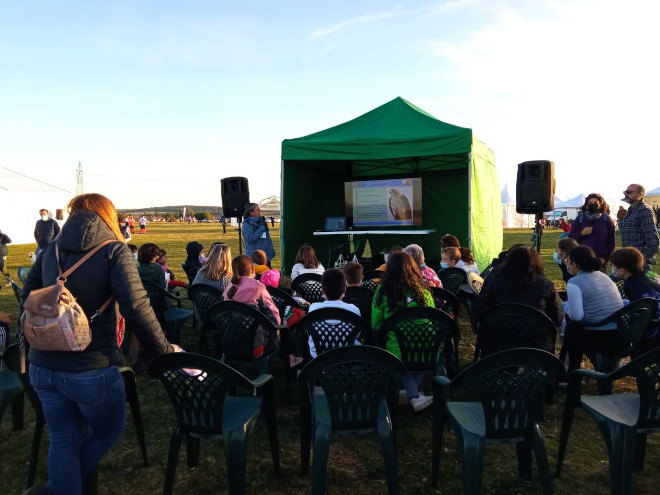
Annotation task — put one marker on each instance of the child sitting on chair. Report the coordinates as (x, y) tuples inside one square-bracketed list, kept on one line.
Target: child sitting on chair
[(259, 260), (333, 284)]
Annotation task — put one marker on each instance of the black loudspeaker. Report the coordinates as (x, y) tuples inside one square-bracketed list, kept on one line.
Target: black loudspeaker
[(235, 195), (535, 187)]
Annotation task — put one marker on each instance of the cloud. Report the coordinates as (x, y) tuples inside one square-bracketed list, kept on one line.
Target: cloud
[(393, 13)]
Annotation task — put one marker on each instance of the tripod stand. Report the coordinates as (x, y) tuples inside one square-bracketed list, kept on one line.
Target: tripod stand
[(538, 232)]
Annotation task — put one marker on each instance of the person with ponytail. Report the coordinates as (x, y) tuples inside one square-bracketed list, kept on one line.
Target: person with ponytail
[(245, 289), (592, 297)]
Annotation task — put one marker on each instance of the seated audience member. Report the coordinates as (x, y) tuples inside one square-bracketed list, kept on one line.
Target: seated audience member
[(592, 297), (354, 274), (134, 251), (333, 283), (565, 227), (467, 261), (194, 260), (628, 264), (149, 268), (402, 287), (244, 288), (564, 248), (171, 282), (216, 271), (428, 274), (521, 280), (306, 262), (393, 249), (449, 240), (449, 257), (259, 260)]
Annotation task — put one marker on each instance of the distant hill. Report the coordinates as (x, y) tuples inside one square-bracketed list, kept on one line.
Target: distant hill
[(269, 206)]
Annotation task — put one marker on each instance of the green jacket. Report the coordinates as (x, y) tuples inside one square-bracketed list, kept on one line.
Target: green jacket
[(381, 312)]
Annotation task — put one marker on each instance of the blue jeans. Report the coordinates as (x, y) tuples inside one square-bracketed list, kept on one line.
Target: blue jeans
[(85, 413)]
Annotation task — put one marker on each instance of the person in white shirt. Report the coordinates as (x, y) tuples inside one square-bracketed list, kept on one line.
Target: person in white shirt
[(306, 262), (333, 284)]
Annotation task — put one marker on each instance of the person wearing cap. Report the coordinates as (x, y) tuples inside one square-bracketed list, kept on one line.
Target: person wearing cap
[(255, 232), (638, 225)]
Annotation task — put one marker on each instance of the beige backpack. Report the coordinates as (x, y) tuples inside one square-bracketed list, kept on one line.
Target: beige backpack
[(53, 320)]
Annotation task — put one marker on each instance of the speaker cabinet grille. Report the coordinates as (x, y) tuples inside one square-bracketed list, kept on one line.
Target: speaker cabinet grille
[(235, 195), (535, 187)]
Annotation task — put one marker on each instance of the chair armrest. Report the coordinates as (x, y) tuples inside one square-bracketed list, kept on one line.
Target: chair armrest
[(261, 380)]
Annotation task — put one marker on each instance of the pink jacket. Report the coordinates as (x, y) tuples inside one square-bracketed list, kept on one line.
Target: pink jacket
[(254, 293)]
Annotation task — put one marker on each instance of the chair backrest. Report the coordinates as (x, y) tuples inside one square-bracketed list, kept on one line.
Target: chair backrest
[(281, 299), (452, 278), (421, 332), (371, 279), (237, 324), (158, 297), (511, 386), (445, 299), (189, 274), (362, 297), (308, 286), (631, 321), (204, 296), (12, 359), (484, 273), (23, 273), (199, 399), (332, 327), (511, 325), (355, 380)]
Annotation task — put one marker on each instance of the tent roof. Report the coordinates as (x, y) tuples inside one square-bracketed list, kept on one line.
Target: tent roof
[(575, 202), (508, 196), (653, 192), (393, 130), (17, 182)]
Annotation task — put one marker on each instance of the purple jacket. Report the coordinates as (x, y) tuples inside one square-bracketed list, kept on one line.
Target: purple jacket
[(601, 239)]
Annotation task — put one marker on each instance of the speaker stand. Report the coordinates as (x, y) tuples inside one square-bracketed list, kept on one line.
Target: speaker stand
[(538, 233), (240, 235)]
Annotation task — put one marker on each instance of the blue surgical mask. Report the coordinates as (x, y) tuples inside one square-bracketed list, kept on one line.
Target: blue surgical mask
[(613, 274), (555, 257), (444, 265), (135, 256)]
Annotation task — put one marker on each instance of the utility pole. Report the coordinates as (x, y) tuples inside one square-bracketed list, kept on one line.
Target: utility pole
[(80, 189)]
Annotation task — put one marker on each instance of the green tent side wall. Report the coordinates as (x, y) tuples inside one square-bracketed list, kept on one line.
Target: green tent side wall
[(459, 183)]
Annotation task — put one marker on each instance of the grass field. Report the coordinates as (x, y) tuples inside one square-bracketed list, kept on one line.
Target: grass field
[(355, 464)]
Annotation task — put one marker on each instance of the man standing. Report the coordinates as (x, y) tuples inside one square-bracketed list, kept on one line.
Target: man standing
[(638, 224), (45, 230)]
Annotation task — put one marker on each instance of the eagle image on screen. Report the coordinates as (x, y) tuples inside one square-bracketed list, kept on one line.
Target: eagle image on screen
[(399, 205)]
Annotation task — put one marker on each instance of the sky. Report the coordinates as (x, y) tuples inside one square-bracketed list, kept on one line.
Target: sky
[(159, 100)]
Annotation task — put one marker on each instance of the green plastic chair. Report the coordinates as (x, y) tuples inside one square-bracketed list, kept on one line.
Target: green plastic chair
[(624, 419), (23, 273), (331, 328), (308, 286), (452, 278), (371, 279), (631, 322), (204, 296), (205, 410), (360, 394), (424, 336), (509, 325), (11, 395), (170, 318), (501, 401)]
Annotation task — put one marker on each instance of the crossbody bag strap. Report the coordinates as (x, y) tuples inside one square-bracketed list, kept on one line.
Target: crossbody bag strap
[(64, 275)]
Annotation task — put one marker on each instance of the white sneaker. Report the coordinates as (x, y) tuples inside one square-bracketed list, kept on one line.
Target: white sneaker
[(403, 398), (420, 403)]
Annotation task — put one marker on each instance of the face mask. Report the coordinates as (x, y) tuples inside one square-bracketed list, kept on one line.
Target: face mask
[(44, 217), (202, 258), (613, 274), (592, 208), (444, 265), (555, 257), (135, 256)]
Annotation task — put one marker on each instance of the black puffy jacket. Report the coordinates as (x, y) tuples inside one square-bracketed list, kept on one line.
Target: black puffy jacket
[(110, 271)]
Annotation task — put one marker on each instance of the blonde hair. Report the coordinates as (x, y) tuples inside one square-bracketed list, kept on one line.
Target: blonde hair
[(218, 263), (102, 206)]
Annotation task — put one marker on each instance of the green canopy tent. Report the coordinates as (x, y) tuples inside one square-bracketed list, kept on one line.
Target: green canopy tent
[(460, 189)]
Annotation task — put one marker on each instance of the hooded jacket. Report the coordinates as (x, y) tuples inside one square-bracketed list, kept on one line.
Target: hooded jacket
[(110, 271), (192, 264), (254, 293)]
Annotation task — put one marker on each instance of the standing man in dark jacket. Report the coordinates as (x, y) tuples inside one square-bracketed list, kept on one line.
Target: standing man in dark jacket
[(638, 225), (45, 230), (255, 232)]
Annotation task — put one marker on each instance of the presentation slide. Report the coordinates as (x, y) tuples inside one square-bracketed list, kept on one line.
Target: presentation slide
[(386, 202)]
